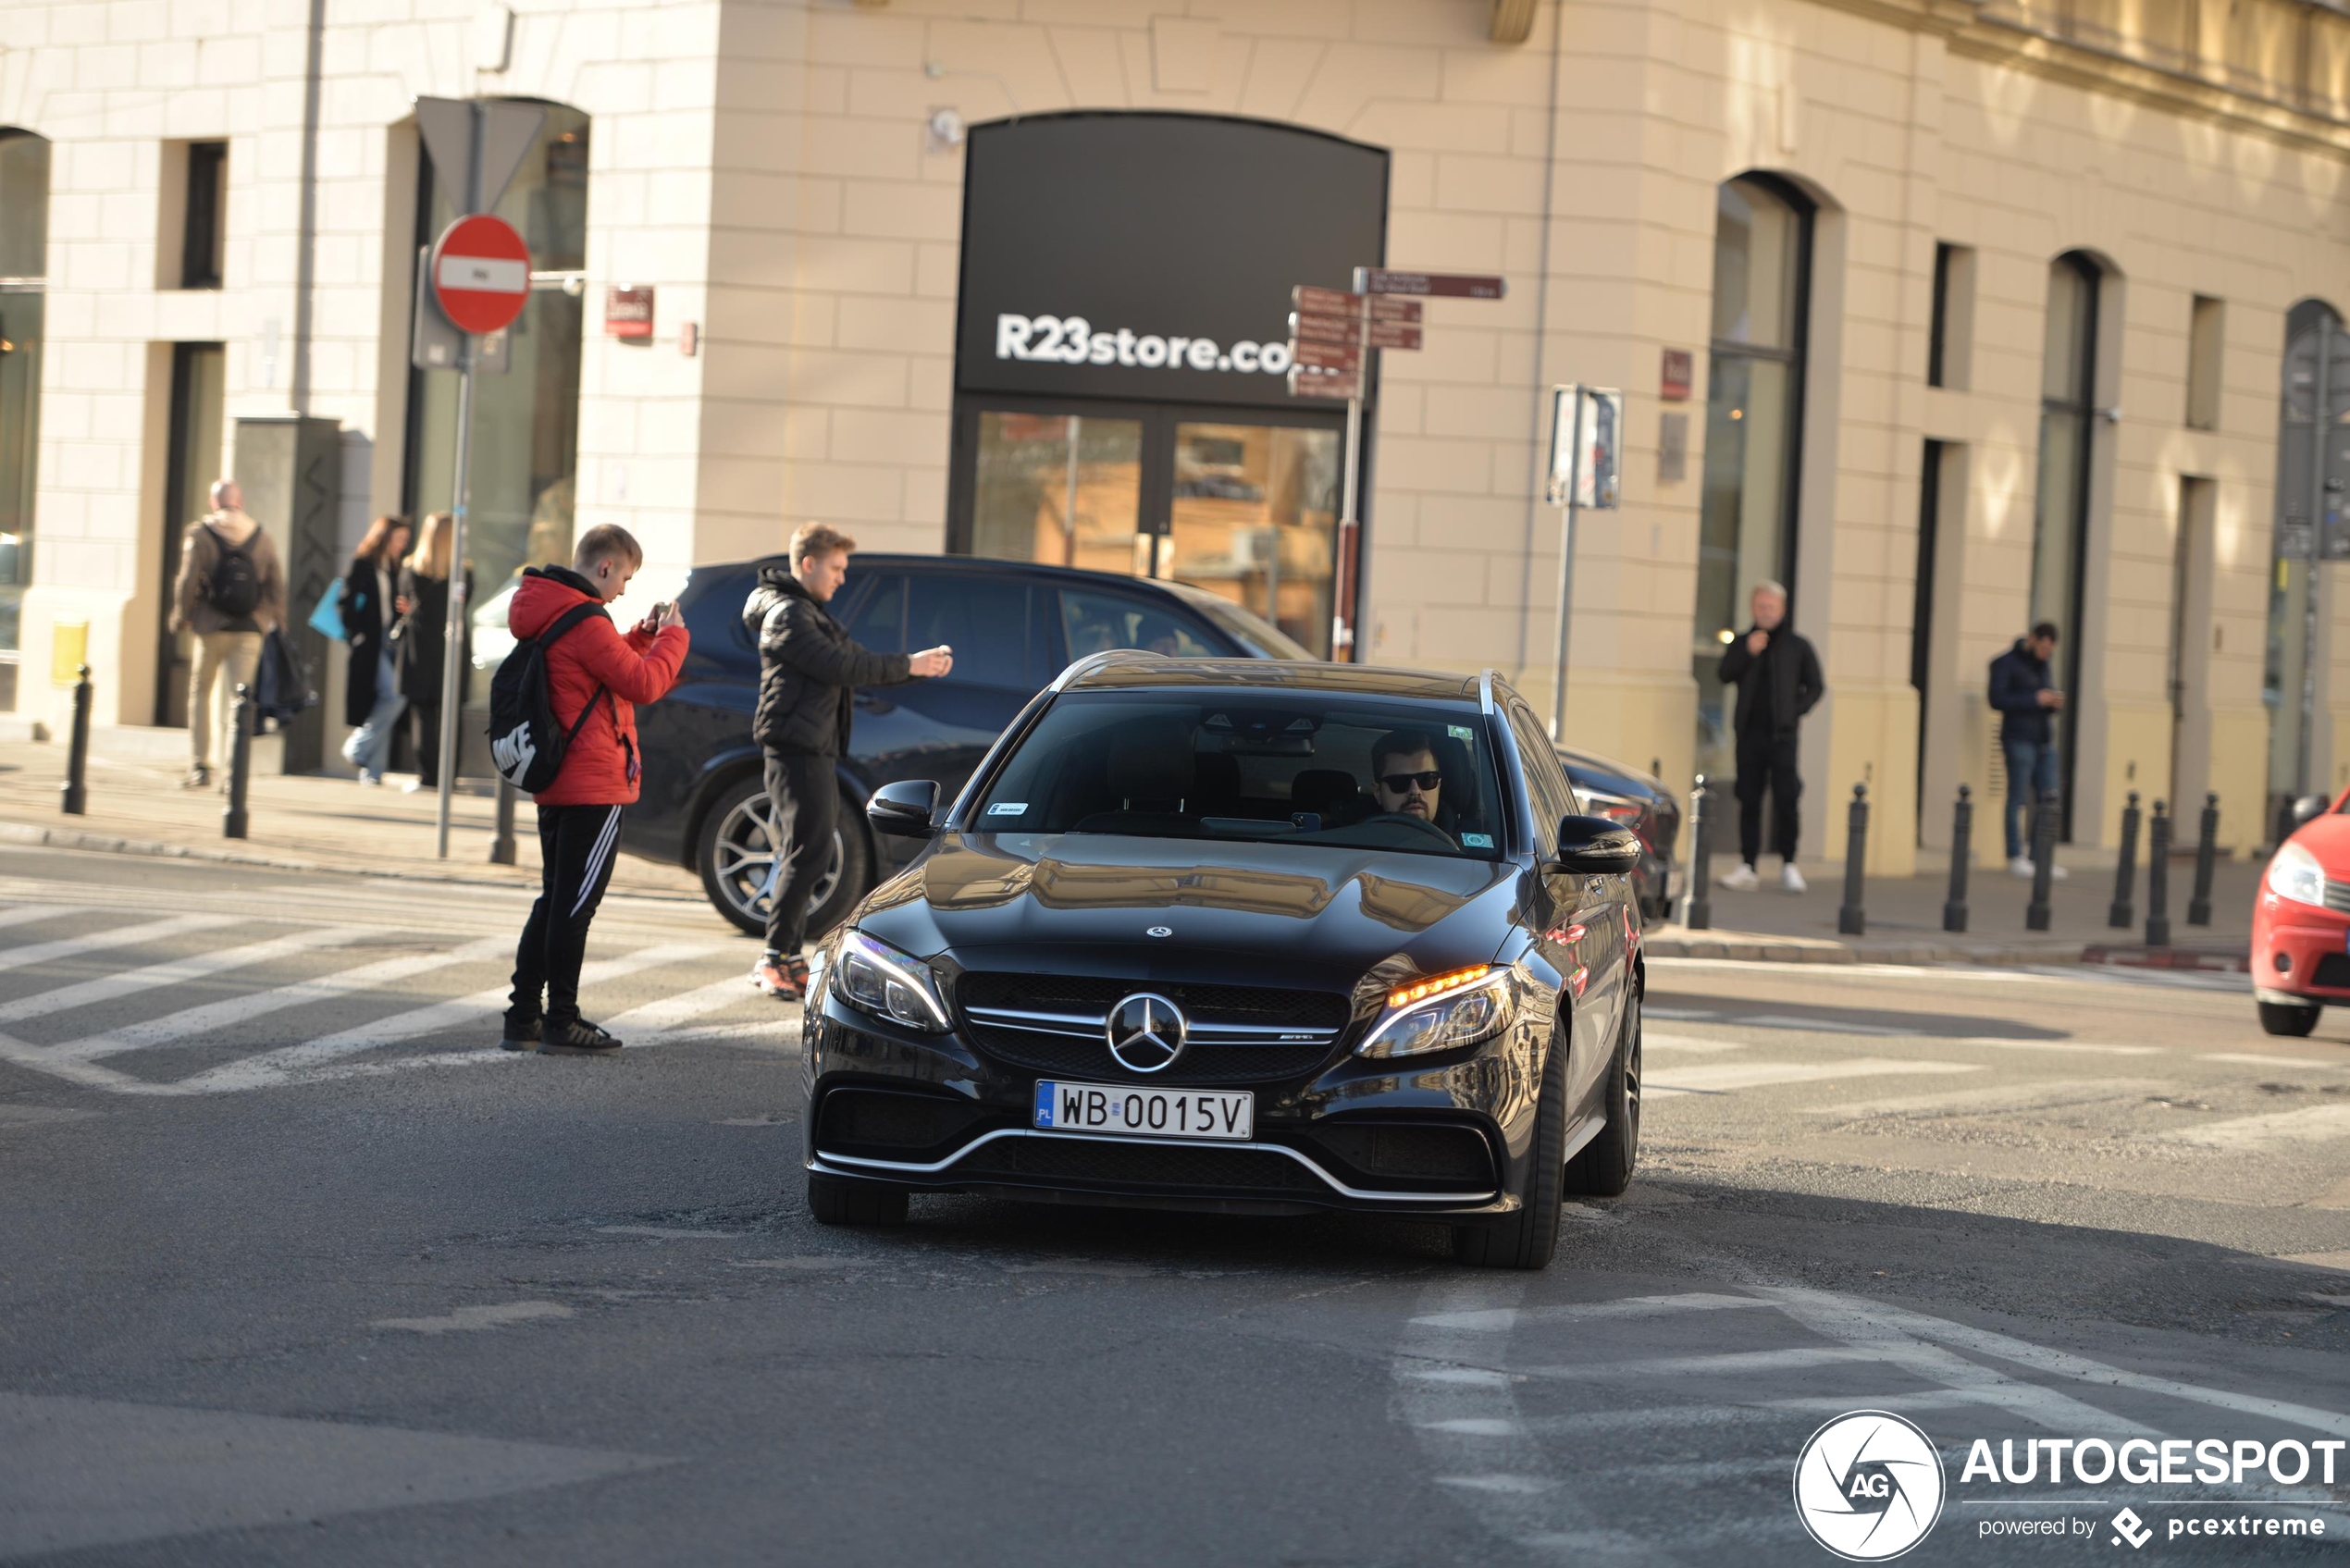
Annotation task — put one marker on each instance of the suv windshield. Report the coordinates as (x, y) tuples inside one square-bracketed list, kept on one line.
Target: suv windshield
[(1302, 768)]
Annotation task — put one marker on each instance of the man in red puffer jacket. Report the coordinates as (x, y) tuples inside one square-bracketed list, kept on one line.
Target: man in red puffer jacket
[(579, 815)]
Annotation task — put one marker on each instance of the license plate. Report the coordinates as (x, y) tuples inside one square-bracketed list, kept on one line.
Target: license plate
[(1145, 1113)]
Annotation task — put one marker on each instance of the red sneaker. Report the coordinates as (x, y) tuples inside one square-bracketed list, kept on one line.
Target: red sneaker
[(773, 980)]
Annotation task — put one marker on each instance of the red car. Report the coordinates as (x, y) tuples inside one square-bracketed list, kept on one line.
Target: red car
[(2301, 921)]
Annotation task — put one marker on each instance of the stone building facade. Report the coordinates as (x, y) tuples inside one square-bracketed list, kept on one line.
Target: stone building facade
[(1986, 310)]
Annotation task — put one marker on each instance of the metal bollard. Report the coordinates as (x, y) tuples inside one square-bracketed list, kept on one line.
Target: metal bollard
[(1697, 899), (2283, 825), (2124, 914), (75, 789), (502, 845), (232, 816), (2206, 848), (2036, 915), (2158, 879), (1962, 853), (1850, 921)]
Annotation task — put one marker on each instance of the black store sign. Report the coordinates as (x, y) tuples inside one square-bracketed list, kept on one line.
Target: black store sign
[(1149, 257)]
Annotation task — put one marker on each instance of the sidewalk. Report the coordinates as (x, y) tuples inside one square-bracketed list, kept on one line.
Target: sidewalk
[(1904, 919), (294, 823)]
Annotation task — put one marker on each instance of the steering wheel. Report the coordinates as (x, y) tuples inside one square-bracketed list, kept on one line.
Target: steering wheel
[(1405, 818)]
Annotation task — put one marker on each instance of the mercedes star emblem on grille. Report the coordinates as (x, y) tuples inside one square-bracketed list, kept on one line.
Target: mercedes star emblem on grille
[(1147, 1033)]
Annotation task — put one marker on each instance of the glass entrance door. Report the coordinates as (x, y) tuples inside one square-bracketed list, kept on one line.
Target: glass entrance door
[(1242, 506)]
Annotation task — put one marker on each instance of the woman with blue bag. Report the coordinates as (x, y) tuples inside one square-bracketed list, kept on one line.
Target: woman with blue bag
[(371, 699)]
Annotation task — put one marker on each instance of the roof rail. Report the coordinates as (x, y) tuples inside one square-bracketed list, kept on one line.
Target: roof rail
[(1060, 681)]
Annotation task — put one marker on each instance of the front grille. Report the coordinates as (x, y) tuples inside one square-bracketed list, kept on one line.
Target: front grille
[(885, 1123), (1235, 1037), (1141, 1165), (2338, 895), (1451, 1155), (2333, 969)]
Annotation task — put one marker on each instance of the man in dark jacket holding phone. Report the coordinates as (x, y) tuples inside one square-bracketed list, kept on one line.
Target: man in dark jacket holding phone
[(809, 668), (2024, 694), (1778, 680)]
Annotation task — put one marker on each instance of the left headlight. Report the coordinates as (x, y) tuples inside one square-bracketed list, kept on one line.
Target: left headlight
[(1443, 1013), (881, 980), (2297, 874)]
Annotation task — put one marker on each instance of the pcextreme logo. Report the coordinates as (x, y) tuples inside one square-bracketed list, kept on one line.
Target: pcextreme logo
[(1868, 1486)]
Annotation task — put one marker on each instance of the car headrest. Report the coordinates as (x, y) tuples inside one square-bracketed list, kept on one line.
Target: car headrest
[(1318, 789), (1216, 776), (1151, 760)]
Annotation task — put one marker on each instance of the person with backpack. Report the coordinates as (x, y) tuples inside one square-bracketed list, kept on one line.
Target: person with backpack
[(563, 725), (371, 700), (230, 592)]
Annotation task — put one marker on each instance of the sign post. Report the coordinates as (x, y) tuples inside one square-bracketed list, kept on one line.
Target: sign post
[(1586, 426), (1331, 336), (480, 278)]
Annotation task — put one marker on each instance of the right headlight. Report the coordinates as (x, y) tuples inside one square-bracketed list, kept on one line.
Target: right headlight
[(1443, 1013), (2296, 874), (881, 980)]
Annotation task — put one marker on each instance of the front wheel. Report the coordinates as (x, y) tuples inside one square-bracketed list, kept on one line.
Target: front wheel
[(1603, 1167), (1527, 1238), (2285, 1018), (836, 1201), (736, 856)]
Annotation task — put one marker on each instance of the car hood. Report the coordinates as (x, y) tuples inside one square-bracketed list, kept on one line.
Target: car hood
[(1268, 913), (2328, 837)]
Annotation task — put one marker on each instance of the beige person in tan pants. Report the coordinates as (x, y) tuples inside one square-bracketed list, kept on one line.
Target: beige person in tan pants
[(228, 636)]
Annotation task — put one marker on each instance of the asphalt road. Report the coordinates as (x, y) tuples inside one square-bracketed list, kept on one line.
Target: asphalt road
[(296, 1267)]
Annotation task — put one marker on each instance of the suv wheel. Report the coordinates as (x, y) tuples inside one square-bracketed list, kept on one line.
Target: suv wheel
[(736, 857), (1525, 1239), (1603, 1167)]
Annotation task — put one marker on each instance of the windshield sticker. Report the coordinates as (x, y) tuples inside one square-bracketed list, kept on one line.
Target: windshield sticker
[(1459, 732), (1477, 841), (1008, 809)]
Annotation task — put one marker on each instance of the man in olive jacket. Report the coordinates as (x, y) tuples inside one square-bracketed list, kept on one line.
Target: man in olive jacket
[(808, 670)]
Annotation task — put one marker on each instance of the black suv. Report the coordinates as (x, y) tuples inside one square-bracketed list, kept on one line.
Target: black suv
[(1013, 626), (1242, 936)]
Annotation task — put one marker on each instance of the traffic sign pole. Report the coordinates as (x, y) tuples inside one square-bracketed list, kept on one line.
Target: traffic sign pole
[(1573, 414), (453, 647)]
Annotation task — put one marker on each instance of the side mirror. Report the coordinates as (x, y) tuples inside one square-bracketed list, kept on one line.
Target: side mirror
[(1595, 846), (903, 807), (2307, 806)]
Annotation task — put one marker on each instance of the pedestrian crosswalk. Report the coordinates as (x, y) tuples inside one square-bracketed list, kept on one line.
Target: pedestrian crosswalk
[(208, 1001)]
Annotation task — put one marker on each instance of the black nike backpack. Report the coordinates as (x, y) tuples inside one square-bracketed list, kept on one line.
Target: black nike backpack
[(526, 745)]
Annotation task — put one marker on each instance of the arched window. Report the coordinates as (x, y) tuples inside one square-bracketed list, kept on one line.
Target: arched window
[(2060, 508), (526, 436), (1753, 422), (2286, 687), (24, 246)]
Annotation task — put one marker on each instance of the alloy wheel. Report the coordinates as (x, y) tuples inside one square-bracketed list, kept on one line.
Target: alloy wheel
[(746, 862)]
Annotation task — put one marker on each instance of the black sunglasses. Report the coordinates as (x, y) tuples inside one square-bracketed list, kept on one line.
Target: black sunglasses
[(1398, 783)]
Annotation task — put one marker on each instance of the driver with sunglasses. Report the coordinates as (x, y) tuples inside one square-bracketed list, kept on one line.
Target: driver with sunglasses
[(1406, 780)]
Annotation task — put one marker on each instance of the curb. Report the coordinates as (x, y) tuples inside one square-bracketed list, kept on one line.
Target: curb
[(111, 843), (1767, 951), (2210, 960)]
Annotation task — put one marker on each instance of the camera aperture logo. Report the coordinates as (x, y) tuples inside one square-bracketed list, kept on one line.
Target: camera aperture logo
[(1869, 1485)]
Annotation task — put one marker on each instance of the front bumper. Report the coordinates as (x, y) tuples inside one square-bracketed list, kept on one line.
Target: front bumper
[(2300, 952), (1448, 1136)]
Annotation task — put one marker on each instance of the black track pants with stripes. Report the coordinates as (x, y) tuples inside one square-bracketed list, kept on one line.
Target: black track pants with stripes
[(575, 848)]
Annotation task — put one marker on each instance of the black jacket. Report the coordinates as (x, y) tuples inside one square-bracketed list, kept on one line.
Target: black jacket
[(2017, 680), (807, 668), (1786, 669), (366, 622), (424, 633)]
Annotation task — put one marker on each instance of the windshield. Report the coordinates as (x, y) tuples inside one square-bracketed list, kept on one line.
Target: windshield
[(1259, 636), (1302, 768)]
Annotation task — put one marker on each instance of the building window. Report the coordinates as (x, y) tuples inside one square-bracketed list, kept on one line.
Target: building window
[(526, 436), (2060, 512), (24, 248), (1953, 320), (204, 228), (2206, 346), (1753, 420)]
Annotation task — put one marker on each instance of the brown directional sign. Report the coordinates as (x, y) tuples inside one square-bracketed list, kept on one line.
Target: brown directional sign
[(1394, 335), (1446, 285), (1325, 328), (1331, 305), (1326, 356), (1305, 383)]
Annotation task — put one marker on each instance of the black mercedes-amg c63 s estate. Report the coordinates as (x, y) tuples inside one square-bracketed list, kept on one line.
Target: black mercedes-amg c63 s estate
[(1246, 937)]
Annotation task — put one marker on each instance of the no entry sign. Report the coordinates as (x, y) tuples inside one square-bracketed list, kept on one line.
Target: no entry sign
[(481, 273)]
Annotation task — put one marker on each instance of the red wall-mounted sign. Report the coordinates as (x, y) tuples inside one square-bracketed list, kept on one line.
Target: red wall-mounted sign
[(628, 311)]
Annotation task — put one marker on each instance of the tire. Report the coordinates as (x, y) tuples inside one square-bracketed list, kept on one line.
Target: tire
[(1604, 1166), (2283, 1018), (833, 1200), (735, 852), (1527, 1238)]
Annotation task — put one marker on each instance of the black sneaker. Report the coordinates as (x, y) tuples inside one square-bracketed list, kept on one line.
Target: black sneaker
[(577, 1038), (198, 777), (520, 1037)]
